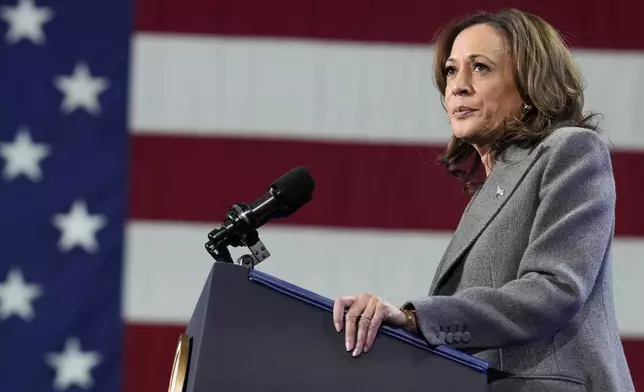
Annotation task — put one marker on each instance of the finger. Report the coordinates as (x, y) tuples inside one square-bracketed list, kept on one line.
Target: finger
[(351, 317), (363, 324), (338, 310), (376, 321)]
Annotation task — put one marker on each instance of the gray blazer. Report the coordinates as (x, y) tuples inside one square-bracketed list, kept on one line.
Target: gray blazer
[(525, 283)]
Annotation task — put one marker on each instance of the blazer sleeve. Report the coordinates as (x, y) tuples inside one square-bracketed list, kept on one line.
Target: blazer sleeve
[(569, 238)]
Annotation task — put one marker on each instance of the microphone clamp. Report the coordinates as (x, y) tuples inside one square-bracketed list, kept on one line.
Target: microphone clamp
[(218, 242)]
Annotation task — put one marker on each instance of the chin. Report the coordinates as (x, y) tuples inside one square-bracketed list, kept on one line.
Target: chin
[(466, 132)]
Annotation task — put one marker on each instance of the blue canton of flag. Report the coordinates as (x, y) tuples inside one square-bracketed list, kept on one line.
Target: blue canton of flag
[(63, 193)]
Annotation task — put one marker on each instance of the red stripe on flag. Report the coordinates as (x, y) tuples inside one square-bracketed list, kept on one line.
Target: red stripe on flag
[(150, 352), (357, 185), (634, 351), (197, 179), (588, 23)]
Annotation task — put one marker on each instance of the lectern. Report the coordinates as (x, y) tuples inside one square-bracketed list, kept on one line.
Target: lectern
[(251, 331)]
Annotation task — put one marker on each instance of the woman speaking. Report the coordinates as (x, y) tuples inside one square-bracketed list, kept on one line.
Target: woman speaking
[(525, 283)]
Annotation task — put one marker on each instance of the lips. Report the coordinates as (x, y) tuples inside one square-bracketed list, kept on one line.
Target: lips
[(461, 111)]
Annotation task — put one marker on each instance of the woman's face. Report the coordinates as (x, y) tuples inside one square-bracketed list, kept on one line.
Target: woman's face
[(480, 91)]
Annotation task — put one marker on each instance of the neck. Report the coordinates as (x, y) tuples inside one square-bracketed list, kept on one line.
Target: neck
[(486, 157)]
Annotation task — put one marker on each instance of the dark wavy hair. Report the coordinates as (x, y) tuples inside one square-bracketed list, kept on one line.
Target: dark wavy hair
[(548, 80)]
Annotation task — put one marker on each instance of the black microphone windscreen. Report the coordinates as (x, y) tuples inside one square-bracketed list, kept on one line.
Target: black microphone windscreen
[(295, 187)]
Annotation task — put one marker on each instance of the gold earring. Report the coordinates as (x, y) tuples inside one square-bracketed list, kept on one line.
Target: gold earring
[(525, 108)]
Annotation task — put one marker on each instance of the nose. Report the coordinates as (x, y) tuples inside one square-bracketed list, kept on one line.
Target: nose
[(462, 84), (462, 90)]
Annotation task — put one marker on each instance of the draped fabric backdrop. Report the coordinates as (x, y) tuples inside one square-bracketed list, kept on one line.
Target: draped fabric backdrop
[(222, 97)]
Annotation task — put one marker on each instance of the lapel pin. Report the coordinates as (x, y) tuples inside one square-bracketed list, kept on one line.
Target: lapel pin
[(499, 191)]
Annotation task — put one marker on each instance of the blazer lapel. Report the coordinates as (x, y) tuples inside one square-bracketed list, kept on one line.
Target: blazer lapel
[(484, 206)]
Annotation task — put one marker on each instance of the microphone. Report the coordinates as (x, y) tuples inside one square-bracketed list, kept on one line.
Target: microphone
[(285, 195)]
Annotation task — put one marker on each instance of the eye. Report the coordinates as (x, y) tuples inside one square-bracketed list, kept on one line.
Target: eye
[(449, 70), (480, 67)]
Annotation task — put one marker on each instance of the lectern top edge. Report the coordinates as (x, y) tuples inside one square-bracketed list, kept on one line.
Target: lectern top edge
[(327, 304)]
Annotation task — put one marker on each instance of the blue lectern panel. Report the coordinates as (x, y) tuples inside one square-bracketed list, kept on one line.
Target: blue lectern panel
[(325, 303), (251, 331)]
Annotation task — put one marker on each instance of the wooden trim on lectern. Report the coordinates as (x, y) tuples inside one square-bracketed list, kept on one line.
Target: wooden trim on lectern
[(180, 366)]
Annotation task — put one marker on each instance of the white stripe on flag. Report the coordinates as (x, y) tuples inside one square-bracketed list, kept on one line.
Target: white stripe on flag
[(167, 266), (321, 90)]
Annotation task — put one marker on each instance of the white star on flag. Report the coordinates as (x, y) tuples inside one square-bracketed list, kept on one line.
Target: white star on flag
[(81, 90), (26, 21), (78, 228), (23, 156), (73, 366), (16, 296)]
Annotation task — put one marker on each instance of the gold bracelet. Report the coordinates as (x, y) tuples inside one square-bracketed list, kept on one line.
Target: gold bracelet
[(410, 322)]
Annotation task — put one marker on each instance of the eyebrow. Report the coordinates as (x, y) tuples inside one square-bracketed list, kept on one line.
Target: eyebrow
[(473, 56)]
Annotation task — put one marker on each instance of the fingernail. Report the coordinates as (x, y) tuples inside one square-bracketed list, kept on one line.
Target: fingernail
[(338, 326), (356, 352), (366, 348), (347, 345)]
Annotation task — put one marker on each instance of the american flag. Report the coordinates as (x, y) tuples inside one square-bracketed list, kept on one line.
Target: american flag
[(127, 129)]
